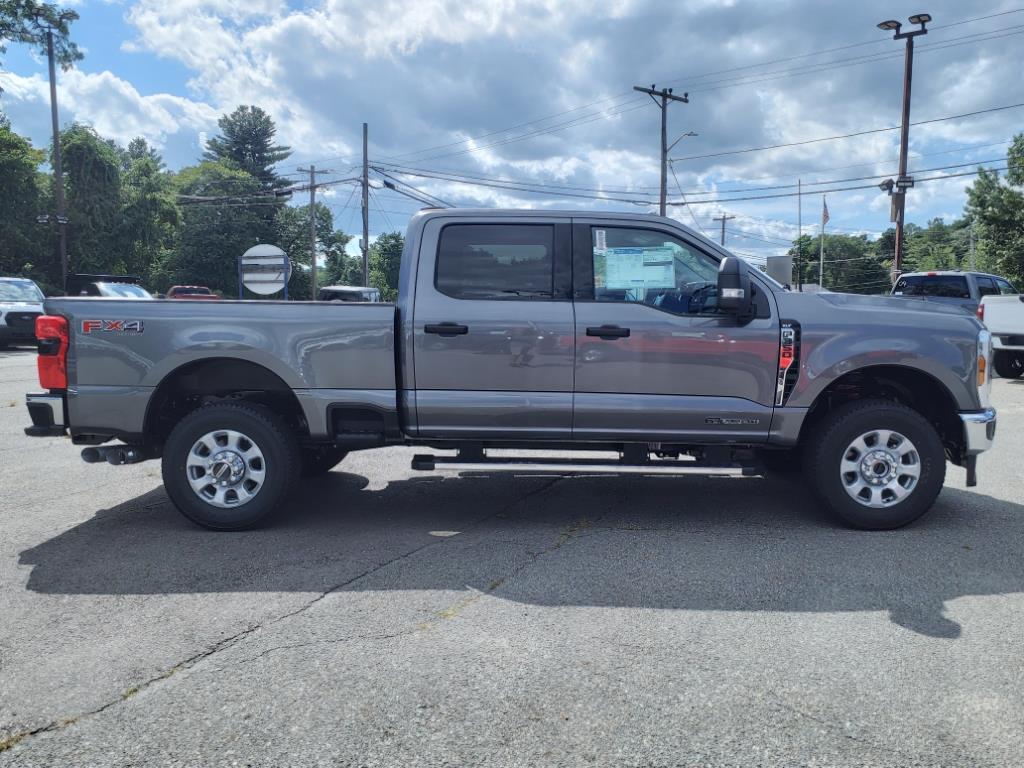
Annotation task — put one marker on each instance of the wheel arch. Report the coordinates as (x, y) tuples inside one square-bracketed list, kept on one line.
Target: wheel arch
[(909, 386), (209, 379)]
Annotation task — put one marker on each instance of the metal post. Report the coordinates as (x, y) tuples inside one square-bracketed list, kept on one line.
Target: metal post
[(799, 236), (973, 264), (901, 200), (366, 210), (821, 247), (312, 230), (58, 174)]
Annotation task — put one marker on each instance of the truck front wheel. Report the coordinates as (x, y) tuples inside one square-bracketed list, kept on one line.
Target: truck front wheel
[(877, 464), (1009, 365), (229, 466)]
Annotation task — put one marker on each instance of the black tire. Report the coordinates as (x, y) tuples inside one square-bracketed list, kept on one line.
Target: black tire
[(320, 460), (783, 461), (1009, 365), (280, 462), (833, 436)]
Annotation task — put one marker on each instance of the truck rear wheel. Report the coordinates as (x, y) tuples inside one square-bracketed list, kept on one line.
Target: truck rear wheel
[(1009, 365), (877, 464), (229, 466)]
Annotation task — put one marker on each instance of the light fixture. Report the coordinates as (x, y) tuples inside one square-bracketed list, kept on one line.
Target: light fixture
[(890, 24), (920, 18)]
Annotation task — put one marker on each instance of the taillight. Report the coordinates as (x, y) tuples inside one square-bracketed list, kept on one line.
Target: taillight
[(52, 333), (981, 312)]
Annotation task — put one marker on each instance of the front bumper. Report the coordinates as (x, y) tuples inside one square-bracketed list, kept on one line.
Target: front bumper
[(979, 430), (47, 412)]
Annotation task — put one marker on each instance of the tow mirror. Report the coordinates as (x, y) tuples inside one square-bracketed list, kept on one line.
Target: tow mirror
[(734, 286)]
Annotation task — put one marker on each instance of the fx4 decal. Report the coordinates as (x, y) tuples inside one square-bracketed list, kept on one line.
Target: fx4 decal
[(112, 326)]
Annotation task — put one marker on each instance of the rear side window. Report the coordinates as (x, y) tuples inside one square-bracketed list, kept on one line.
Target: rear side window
[(986, 287), (941, 286), (496, 261), (1005, 287)]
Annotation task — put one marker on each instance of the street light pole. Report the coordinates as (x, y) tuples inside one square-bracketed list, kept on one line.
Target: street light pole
[(903, 182), (58, 175)]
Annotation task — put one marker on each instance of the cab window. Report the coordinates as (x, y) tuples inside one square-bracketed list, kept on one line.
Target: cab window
[(645, 266), (496, 261), (1005, 287)]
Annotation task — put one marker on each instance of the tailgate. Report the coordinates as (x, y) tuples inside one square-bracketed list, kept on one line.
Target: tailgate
[(1004, 314)]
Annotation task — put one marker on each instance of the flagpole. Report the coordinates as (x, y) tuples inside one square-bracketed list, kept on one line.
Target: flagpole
[(821, 253)]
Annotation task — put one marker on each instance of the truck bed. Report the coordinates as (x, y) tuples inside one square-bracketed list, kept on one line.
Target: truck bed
[(121, 350)]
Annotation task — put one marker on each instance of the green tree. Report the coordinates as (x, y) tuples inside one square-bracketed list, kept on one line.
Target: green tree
[(149, 214), (213, 231), (385, 260), (92, 175), (23, 241), (851, 265), (997, 209), (21, 22), (293, 239), (247, 143)]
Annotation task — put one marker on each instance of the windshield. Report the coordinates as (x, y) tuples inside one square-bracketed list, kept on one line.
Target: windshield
[(191, 291), (20, 291), (941, 286), (123, 290)]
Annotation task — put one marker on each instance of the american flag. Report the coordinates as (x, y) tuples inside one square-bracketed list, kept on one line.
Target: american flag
[(824, 211)]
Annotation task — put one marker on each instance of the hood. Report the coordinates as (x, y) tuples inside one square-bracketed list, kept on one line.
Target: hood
[(894, 304)]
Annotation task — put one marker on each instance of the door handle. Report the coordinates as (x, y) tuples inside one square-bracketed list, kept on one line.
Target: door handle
[(446, 329), (609, 332)]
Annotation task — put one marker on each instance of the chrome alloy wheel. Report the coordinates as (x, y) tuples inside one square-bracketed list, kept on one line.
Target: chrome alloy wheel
[(225, 468), (880, 468)]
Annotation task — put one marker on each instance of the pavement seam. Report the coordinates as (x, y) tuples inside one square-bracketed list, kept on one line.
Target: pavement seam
[(12, 740)]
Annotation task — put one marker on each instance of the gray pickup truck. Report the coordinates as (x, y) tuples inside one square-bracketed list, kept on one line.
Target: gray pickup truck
[(565, 332)]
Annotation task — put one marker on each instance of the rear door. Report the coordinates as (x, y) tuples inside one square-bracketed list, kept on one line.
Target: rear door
[(493, 340), (654, 359)]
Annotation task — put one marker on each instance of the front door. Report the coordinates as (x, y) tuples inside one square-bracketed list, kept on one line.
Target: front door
[(655, 361), (493, 329)]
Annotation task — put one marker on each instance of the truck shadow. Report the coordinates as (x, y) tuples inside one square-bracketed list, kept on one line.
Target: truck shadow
[(694, 544)]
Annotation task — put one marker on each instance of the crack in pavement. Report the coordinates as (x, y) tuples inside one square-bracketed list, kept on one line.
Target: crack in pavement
[(13, 739)]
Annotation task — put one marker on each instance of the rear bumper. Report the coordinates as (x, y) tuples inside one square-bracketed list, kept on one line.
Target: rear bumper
[(979, 430), (48, 415), (1008, 342)]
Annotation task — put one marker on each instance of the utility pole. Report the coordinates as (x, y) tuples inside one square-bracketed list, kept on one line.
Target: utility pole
[(723, 218), (58, 174), (662, 98), (799, 236), (312, 227), (366, 210), (973, 265), (903, 182)]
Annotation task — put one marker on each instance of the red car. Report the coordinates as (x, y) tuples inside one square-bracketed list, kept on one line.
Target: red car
[(191, 292)]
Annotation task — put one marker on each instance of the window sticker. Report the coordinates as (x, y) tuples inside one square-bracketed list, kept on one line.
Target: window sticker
[(626, 268), (600, 240)]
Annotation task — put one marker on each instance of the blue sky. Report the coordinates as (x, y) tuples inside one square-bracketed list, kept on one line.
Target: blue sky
[(539, 92)]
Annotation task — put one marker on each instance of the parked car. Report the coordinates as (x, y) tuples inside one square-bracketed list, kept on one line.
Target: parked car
[(191, 292), (717, 368), (108, 286), (1004, 318), (958, 289), (352, 293), (21, 302)]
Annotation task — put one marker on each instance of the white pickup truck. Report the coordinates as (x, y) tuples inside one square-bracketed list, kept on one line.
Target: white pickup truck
[(1004, 317)]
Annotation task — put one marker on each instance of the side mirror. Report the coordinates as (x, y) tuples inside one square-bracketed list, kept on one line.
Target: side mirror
[(734, 294)]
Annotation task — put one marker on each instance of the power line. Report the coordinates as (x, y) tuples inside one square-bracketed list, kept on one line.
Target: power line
[(848, 135)]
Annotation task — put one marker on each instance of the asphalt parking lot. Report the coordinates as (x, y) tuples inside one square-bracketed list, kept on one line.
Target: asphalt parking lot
[(396, 618)]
